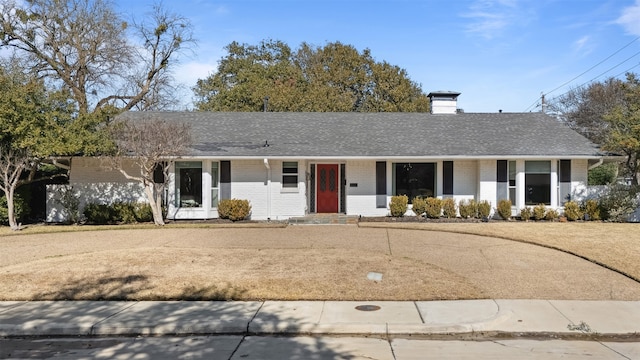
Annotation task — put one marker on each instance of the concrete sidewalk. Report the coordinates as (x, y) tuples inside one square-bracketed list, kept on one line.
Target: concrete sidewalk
[(428, 319)]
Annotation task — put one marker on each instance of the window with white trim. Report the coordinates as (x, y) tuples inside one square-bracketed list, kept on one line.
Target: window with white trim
[(414, 180), (188, 183), (289, 174), (215, 184), (512, 181), (537, 182)]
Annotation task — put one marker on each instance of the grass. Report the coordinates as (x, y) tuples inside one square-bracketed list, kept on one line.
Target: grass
[(613, 245), (52, 229), (249, 261)]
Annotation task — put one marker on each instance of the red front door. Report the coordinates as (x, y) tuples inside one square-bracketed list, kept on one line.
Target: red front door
[(327, 188)]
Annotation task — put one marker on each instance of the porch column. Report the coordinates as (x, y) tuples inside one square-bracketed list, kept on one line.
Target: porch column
[(520, 185), (554, 184)]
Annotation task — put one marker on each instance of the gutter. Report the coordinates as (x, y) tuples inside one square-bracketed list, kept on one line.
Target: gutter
[(383, 157)]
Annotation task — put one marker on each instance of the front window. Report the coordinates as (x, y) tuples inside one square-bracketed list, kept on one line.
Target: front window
[(512, 181), (215, 189), (290, 174), (538, 182), (414, 179), (188, 184)]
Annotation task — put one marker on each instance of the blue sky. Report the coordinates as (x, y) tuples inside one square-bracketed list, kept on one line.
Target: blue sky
[(500, 54)]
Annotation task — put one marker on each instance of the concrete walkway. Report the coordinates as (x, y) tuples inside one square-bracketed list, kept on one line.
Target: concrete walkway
[(322, 329), (475, 318)]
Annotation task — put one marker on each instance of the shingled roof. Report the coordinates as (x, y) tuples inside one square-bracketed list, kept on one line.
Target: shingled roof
[(377, 135)]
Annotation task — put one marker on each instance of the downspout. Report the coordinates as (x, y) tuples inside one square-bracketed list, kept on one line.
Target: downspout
[(266, 165), (600, 161)]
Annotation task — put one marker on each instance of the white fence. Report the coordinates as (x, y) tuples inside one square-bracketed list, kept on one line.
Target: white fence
[(100, 193), (594, 192)]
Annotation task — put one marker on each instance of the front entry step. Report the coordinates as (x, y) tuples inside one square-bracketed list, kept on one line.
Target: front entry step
[(324, 219)]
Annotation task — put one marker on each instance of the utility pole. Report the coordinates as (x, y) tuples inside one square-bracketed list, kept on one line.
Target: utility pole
[(543, 103)]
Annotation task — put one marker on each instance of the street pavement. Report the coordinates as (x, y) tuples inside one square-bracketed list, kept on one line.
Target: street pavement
[(467, 329)]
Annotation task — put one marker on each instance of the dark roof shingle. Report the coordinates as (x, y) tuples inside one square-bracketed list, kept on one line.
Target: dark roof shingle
[(377, 135)]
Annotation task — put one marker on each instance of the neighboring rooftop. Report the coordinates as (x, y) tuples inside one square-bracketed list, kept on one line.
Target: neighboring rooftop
[(377, 135)]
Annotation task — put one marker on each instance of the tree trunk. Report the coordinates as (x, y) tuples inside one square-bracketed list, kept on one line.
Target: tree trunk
[(11, 211), (155, 205)]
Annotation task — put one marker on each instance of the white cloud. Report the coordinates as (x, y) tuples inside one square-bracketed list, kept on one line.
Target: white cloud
[(583, 45), (490, 17), (186, 76), (630, 19), (188, 73)]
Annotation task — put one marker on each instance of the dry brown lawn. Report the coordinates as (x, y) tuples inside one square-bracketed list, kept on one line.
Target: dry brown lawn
[(254, 262), (613, 245)]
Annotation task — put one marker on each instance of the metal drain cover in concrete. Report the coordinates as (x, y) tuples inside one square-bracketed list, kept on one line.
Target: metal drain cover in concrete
[(368, 307)]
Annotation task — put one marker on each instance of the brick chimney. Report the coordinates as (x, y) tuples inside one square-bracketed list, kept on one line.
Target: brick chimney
[(444, 102)]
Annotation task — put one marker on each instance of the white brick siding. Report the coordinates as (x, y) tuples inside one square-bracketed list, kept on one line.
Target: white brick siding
[(261, 184), (94, 182), (87, 170), (465, 179), (288, 202), (361, 200), (487, 181), (579, 178)]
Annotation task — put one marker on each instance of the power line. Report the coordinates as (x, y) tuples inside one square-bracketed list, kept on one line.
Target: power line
[(615, 76), (532, 106), (535, 103), (591, 68), (629, 58)]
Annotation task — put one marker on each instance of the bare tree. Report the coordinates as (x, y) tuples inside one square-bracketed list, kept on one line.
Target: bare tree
[(13, 163), (84, 45), (162, 36), (151, 144), (583, 109)]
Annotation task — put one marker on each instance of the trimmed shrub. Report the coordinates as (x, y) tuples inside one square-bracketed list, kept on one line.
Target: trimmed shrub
[(468, 209), (539, 211), (572, 211), (591, 210), (418, 206), (118, 212), (143, 212), (399, 205), (551, 215), (484, 209), (100, 214), (449, 208), (20, 208), (434, 208), (234, 209), (504, 209), (124, 212), (525, 214)]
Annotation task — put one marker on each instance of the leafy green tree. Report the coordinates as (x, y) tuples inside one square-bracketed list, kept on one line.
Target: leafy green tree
[(27, 116), (335, 77), (247, 75), (84, 47), (603, 175), (624, 123)]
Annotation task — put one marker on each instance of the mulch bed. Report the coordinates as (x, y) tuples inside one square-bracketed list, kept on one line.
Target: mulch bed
[(419, 219)]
